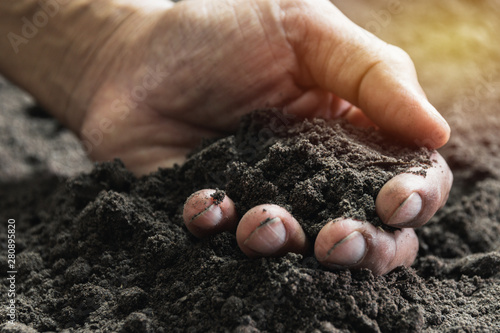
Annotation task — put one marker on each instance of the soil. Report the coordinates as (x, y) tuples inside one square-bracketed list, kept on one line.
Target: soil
[(98, 249), (319, 170)]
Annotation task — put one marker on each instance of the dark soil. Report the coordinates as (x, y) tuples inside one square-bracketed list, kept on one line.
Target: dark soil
[(108, 251), (98, 249), (316, 169)]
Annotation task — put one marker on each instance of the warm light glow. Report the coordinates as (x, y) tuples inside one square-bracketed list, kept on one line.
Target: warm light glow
[(454, 45)]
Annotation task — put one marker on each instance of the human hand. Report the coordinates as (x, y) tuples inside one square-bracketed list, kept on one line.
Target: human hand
[(168, 78), (389, 92)]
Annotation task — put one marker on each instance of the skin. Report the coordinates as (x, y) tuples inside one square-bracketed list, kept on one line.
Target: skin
[(146, 81)]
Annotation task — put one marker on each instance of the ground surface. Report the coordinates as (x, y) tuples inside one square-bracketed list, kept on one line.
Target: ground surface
[(103, 250)]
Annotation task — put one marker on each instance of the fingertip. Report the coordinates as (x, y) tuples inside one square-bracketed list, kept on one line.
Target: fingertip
[(438, 131), (399, 202), (196, 203), (266, 239), (209, 211), (340, 243), (270, 230), (347, 243), (410, 200)]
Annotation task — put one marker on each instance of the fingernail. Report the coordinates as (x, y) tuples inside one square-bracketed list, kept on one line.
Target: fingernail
[(208, 218), (407, 211), (268, 237), (439, 117), (347, 252)]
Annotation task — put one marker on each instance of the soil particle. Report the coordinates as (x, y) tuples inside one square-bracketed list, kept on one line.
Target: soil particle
[(218, 196)]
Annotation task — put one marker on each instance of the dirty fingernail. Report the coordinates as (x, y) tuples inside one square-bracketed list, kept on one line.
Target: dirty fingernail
[(407, 211), (208, 218), (268, 237), (347, 252)]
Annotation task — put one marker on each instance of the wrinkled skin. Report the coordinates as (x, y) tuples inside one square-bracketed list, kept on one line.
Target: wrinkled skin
[(171, 76)]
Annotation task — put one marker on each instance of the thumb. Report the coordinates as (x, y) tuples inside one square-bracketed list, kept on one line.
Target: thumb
[(338, 56)]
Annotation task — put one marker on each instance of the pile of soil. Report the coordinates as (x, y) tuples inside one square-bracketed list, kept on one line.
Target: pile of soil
[(104, 250), (98, 249), (319, 170)]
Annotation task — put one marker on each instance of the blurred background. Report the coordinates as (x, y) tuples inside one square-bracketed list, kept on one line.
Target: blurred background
[(454, 44)]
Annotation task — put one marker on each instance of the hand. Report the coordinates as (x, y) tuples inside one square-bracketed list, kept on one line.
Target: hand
[(215, 61), (159, 77), (170, 77), (407, 201)]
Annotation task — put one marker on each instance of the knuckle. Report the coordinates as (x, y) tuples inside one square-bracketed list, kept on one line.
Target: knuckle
[(398, 54)]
